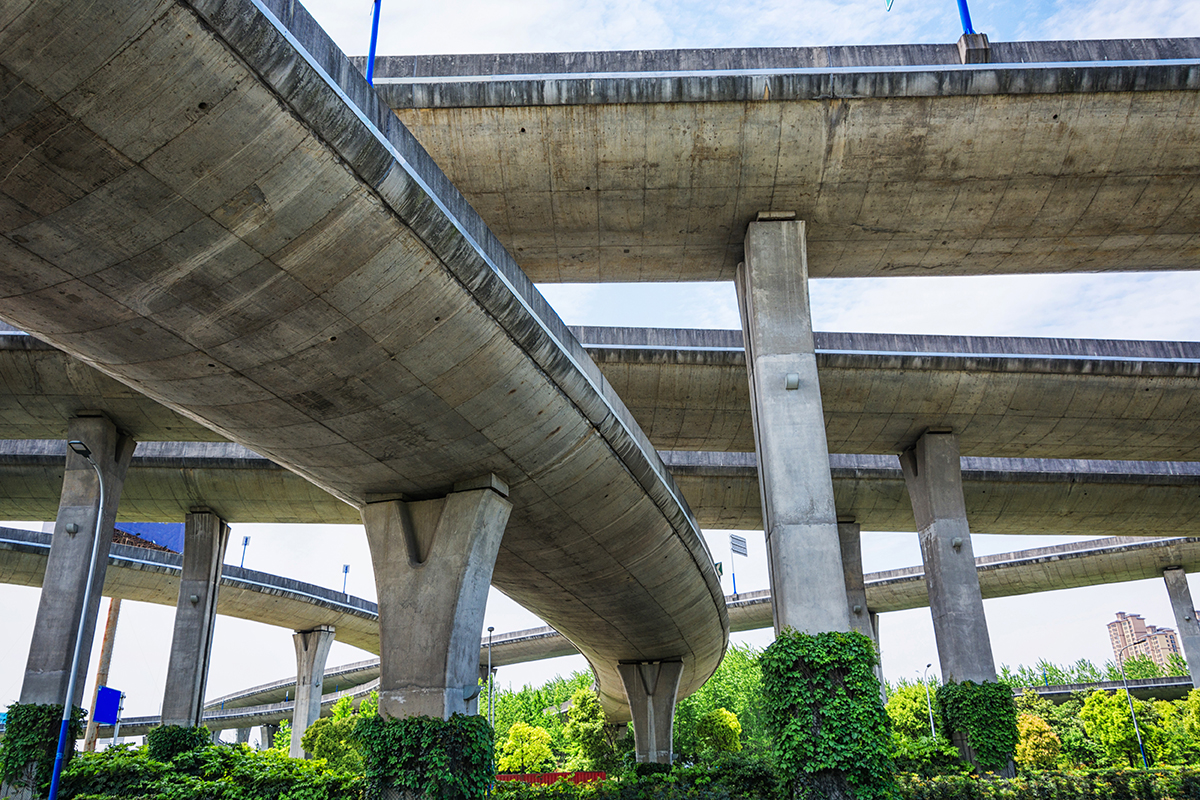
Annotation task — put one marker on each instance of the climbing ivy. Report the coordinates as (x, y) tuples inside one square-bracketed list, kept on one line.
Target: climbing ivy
[(31, 738), (164, 742), (986, 715), (427, 756), (823, 706)]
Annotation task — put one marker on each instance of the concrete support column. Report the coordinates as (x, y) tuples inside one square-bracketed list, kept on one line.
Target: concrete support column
[(933, 475), (106, 650), (266, 735), (205, 536), (243, 735), (47, 670), (1185, 619), (312, 650), (803, 550), (433, 563), (850, 538), (651, 687)]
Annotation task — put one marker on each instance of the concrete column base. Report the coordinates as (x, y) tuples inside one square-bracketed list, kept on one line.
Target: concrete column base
[(266, 735), (205, 536), (1186, 622), (651, 687), (433, 563), (312, 650)]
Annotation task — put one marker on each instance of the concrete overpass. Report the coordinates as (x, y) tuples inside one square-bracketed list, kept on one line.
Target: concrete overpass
[(270, 254), (902, 160)]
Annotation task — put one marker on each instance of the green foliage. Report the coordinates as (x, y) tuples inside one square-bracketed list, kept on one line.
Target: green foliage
[(167, 741), (736, 686), (926, 756), (985, 714), (1110, 785), (1107, 721), (526, 750), (586, 734), (822, 703), (1038, 745), (31, 738), (439, 759), (537, 706), (213, 772), (282, 740), (908, 708), (333, 740), (719, 731)]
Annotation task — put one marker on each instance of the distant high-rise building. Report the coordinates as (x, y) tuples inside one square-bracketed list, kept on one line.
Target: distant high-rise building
[(1147, 640)]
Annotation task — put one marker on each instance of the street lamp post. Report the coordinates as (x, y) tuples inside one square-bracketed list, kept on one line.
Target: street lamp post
[(491, 697), (1137, 732), (928, 702), (68, 703)]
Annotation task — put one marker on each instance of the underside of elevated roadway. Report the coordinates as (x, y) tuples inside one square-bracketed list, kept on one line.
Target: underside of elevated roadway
[(648, 165), (230, 222)]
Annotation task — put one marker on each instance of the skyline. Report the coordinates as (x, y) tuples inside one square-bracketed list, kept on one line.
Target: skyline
[(1128, 305)]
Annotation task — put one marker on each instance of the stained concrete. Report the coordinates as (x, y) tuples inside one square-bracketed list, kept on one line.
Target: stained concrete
[(312, 649), (205, 537), (264, 249), (1187, 626), (651, 688), (83, 526), (647, 166)]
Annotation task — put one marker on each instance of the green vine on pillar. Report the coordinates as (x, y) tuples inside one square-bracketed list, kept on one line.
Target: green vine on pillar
[(823, 706), (427, 757), (31, 740), (986, 715)]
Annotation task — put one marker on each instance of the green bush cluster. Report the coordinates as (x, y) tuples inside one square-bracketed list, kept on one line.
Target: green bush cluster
[(732, 777), (427, 756), (1166, 784), (985, 714), (167, 741), (211, 772), (833, 738), (31, 738)]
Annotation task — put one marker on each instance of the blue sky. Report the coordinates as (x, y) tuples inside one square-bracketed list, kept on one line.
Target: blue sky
[(1061, 626)]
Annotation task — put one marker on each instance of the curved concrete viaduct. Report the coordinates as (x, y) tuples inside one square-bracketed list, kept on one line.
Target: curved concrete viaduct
[(254, 241), (903, 160)]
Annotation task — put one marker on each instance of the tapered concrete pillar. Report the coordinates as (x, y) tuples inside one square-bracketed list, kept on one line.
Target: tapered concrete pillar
[(1185, 619), (266, 734), (47, 670), (850, 538), (433, 562), (803, 550), (205, 536), (312, 650), (243, 735), (933, 475), (651, 687)]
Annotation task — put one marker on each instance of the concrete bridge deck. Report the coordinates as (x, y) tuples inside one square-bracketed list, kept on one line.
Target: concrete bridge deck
[(230, 222), (647, 166)]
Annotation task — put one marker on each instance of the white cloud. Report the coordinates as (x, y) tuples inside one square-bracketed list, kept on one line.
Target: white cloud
[(1120, 19)]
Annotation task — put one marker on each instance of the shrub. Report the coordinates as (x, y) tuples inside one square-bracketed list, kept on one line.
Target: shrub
[(443, 759), (1038, 745), (983, 713), (166, 742), (31, 739)]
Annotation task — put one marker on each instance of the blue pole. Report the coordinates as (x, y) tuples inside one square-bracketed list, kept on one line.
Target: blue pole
[(963, 12), (374, 38)]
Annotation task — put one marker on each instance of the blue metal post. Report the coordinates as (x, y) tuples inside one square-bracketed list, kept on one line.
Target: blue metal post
[(963, 12), (374, 38)]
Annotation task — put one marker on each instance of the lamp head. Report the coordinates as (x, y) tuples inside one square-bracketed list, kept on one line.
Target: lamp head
[(80, 448)]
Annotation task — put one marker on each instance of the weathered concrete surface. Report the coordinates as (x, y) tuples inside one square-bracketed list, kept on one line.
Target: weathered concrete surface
[(1002, 495), (651, 688), (1187, 626), (231, 223), (205, 536), (433, 566), (1004, 396), (83, 525), (312, 649), (850, 540), (933, 476), (803, 554), (649, 165)]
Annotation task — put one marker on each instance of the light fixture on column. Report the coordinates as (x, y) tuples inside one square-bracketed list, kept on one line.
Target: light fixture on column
[(81, 449)]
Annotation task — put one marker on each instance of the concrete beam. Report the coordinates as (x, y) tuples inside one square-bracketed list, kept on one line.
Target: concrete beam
[(312, 649), (651, 688), (205, 536), (1186, 623), (799, 516), (60, 608), (934, 479), (433, 562), (850, 539)]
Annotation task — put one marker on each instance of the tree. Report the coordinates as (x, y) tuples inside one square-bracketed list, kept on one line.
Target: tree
[(719, 731), (332, 738), (527, 749), (1038, 745), (1106, 720), (585, 735), (736, 686), (908, 709), (537, 706)]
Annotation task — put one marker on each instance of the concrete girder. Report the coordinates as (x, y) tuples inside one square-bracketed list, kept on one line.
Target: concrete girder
[(271, 254), (1016, 166)]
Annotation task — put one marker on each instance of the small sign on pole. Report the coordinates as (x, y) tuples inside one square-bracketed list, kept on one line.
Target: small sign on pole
[(108, 706), (737, 547)]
